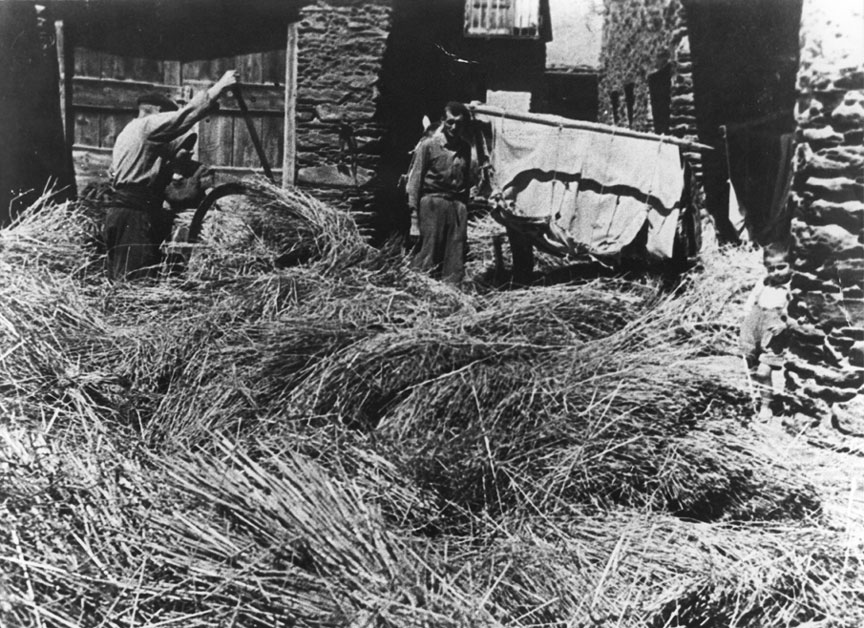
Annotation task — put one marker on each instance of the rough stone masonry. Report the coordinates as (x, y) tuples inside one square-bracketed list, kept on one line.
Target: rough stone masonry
[(825, 354), (340, 51)]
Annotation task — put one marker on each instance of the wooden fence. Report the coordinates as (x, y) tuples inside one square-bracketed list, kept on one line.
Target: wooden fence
[(105, 88)]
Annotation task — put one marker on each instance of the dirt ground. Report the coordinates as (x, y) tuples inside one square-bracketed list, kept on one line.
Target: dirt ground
[(838, 474)]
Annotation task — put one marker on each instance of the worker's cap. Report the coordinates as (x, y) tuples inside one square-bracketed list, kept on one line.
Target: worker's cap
[(161, 100)]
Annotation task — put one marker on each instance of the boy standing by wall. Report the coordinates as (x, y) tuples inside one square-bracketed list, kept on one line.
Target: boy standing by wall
[(764, 325)]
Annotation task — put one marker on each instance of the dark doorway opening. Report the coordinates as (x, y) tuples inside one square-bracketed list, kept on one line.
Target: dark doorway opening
[(615, 98), (572, 95), (660, 91), (34, 156), (745, 59), (630, 101), (428, 62)]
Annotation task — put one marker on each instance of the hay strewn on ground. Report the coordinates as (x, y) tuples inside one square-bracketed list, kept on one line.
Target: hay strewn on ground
[(299, 430)]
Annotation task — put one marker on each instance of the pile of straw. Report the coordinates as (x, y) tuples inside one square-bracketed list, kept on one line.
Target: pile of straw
[(302, 431), (643, 435), (201, 539)]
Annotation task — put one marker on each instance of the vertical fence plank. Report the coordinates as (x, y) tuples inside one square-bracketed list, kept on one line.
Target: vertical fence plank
[(113, 67), (147, 70), (63, 70), (88, 62), (219, 66), (243, 153), (250, 68), (271, 139), (172, 72), (87, 128), (216, 141), (196, 70), (273, 72), (111, 125)]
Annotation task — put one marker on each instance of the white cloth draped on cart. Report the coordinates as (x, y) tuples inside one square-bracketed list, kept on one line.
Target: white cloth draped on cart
[(596, 190)]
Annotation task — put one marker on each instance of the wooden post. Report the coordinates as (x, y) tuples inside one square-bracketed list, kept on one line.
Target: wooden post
[(290, 126), (66, 71), (59, 42)]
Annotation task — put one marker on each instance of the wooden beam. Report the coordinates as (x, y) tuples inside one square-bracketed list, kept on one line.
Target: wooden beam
[(114, 95), (290, 127), (567, 123)]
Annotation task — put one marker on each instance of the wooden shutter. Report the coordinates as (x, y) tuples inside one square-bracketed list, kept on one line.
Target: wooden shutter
[(502, 18)]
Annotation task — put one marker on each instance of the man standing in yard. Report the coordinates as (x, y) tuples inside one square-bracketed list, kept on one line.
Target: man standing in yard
[(438, 188), (136, 224)]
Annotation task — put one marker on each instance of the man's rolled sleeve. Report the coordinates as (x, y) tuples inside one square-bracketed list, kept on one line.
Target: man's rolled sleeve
[(416, 172)]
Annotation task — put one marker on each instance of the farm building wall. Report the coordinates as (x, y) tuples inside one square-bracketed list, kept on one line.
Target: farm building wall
[(825, 356), (341, 49), (369, 71), (639, 41)]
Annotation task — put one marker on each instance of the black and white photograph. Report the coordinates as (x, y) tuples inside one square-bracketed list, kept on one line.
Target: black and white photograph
[(431, 313)]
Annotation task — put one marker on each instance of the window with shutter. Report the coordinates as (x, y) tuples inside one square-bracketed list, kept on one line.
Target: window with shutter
[(502, 18)]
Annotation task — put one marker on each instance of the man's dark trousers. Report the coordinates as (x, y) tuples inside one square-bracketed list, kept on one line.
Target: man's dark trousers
[(443, 233), (135, 228)]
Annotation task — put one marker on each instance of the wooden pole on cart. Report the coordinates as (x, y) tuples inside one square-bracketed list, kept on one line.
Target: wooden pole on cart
[(581, 124)]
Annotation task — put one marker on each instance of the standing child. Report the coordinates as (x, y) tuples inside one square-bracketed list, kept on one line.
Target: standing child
[(764, 326)]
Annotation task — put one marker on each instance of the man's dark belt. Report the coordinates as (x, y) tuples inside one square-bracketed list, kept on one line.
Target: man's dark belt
[(136, 196), (447, 196)]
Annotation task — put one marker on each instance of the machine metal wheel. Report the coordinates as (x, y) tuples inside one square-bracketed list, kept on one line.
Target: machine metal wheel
[(220, 191)]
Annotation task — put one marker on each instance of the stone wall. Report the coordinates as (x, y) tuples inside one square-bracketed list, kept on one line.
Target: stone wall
[(638, 40), (825, 358), (682, 121), (341, 46)]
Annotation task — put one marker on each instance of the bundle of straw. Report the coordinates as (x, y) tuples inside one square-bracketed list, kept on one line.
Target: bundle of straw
[(302, 227), (561, 315), (228, 538), (285, 543), (49, 236), (64, 516), (56, 349), (579, 427), (357, 384), (626, 568)]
